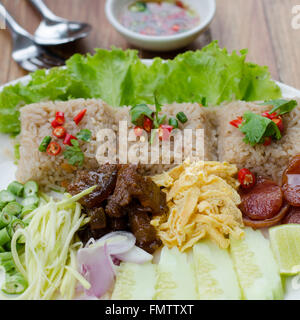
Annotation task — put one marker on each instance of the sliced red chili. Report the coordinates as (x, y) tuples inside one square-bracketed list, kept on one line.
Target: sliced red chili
[(267, 141), (68, 139), (164, 131), (271, 116), (246, 178), (237, 122), (59, 119), (179, 4), (148, 124), (279, 123), (55, 124), (175, 27), (138, 131), (59, 132), (53, 149), (79, 116)]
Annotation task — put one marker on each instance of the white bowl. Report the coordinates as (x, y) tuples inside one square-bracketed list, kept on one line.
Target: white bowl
[(205, 8)]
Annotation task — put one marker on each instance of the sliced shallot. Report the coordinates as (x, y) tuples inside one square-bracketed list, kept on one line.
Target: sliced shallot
[(117, 242), (135, 255), (95, 265)]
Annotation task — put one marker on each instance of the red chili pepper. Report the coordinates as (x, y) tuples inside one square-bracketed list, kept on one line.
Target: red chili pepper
[(268, 141), (55, 124), (68, 139), (246, 178), (59, 132), (176, 27), (59, 119), (138, 131), (279, 123), (80, 116), (271, 116), (148, 124), (237, 122), (53, 149), (164, 131), (179, 4)]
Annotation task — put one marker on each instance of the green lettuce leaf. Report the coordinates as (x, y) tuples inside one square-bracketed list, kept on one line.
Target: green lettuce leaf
[(208, 76)]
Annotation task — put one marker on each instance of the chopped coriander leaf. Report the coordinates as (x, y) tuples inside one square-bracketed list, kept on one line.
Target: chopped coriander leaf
[(281, 105), (74, 154), (17, 151), (158, 120), (84, 135), (138, 112), (256, 128)]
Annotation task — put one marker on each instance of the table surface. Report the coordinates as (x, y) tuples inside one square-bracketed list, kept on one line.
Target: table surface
[(262, 26)]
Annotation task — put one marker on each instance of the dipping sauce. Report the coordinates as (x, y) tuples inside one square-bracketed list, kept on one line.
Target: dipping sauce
[(159, 18)]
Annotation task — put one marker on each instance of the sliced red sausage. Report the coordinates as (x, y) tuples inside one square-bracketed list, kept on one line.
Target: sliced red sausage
[(291, 182), (263, 201), (293, 216)]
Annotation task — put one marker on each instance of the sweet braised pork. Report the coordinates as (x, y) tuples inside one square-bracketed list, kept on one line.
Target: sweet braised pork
[(105, 177), (122, 200), (131, 185)]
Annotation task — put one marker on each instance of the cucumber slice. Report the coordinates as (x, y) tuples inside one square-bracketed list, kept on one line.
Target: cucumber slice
[(215, 274), (257, 271), (175, 277), (134, 282)]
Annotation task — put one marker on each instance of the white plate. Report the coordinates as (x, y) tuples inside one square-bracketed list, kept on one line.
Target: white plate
[(8, 168)]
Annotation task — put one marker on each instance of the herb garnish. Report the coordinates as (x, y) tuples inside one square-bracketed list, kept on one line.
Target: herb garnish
[(262, 129), (84, 135), (158, 120), (74, 154), (256, 128), (281, 106), (138, 113)]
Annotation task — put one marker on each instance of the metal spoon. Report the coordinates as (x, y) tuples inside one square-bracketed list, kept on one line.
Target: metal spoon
[(26, 52), (54, 30)]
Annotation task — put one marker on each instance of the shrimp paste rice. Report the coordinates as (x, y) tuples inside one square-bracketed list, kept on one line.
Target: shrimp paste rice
[(263, 160), (54, 170)]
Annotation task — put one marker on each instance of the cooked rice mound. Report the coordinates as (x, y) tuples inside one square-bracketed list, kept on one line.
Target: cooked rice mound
[(268, 161), (223, 142), (52, 171)]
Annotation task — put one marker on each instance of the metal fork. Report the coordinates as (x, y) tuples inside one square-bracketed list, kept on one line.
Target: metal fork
[(29, 55)]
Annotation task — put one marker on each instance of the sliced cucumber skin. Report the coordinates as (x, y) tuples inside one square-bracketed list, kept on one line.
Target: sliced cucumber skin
[(214, 272), (257, 271), (175, 279), (135, 282)]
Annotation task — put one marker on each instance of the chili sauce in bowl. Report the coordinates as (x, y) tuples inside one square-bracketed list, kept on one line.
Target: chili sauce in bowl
[(160, 25), (159, 18)]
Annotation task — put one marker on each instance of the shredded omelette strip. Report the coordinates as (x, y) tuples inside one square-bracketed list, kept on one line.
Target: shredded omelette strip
[(203, 203)]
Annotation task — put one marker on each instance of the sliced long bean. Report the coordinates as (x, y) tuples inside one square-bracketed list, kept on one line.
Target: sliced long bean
[(16, 188), (31, 201), (31, 188), (5, 219), (13, 208), (6, 197), (4, 237), (15, 284), (14, 225)]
